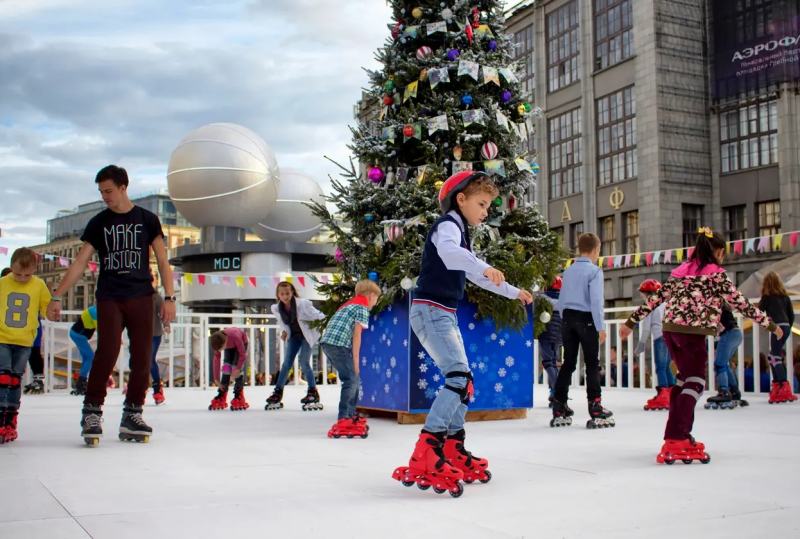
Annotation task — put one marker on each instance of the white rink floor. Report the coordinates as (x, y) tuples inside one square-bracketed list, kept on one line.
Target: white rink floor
[(275, 474)]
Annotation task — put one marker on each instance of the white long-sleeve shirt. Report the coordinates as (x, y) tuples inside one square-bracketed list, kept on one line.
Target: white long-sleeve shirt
[(651, 325), (447, 240)]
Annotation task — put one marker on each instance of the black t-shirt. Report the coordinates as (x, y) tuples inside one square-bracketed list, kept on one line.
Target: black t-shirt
[(122, 241)]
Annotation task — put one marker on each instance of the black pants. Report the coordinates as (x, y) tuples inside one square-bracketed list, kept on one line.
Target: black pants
[(577, 330)]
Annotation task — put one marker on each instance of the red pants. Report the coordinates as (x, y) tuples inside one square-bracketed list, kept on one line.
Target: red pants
[(113, 316), (690, 354)]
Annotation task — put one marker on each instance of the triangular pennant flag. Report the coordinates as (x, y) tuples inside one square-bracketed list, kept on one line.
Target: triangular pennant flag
[(750, 245), (600, 261), (667, 257), (201, 279), (263, 282), (276, 280), (3, 250), (289, 278), (737, 247), (763, 243), (63, 262), (793, 238), (637, 259), (610, 262), (252, 281), (618, 261), (689, 252), (411, 91), (490, 75), (648, 259), (93, 267), (656, 257), (679, 255), (240, 281), (777, 242), (49, 257), (215, 279), (189, 278), (226, 280), (302, 281)]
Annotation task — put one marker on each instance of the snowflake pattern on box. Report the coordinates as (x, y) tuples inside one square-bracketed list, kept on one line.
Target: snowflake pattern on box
[(400, 375)]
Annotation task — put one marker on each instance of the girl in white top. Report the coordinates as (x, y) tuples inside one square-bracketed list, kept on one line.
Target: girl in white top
[(293, 315)]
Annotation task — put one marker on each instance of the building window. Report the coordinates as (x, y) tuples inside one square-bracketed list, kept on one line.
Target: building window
[(575, 231), (523, 54), (616, 137), (769, 217), (559, 230), (631, 220), (608, 237), (748, 136), (613, 34), (566, 157), (736, 222), (563, 46), (692, 220)]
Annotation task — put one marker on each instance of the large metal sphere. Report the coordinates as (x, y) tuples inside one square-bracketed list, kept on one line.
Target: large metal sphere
[(223, 174), (290, 219)]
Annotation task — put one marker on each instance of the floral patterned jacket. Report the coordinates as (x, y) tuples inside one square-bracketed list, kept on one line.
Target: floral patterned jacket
[(694, 298)]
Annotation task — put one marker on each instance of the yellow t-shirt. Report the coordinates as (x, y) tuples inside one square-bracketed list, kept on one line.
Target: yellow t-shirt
[(20, 303)]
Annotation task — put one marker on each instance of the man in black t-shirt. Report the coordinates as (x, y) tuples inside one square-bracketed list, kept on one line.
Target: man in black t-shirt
[(122, 236)]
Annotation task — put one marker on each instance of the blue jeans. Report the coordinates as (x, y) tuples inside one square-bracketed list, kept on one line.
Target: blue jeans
[(154, 372), (437, 330), (662, 359), (13, 359), (294, 345), (726, 347), (342, 360), (85, 350), (550, 352)]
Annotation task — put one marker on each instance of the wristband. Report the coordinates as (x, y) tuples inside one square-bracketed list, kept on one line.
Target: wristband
[(56, 299)]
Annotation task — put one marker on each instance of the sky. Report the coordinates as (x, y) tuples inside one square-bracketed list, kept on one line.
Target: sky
[(85, 83)]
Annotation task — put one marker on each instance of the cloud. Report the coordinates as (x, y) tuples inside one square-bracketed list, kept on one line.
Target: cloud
[(78, 93)]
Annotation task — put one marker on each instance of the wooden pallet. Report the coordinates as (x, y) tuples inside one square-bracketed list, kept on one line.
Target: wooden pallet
[(408, 418)]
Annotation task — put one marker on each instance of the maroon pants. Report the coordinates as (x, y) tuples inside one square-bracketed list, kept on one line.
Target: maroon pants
[(690, 354), (113, 316)]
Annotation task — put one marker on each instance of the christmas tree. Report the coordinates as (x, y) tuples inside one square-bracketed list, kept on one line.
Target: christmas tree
[(447, 99)]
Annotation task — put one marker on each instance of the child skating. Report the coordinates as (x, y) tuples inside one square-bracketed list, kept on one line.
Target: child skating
[(550, 340), (694, 294), (581, 306), (651, 328), (776, 303), (233, 341), (440, 459), (728, 340), (341, 343), (293, 315), (23, 297)]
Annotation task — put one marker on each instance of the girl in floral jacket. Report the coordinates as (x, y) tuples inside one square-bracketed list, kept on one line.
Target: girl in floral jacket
[(694, 295)]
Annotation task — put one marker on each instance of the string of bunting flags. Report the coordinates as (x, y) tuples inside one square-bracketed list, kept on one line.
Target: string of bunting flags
[(761, 244), (251, 281)]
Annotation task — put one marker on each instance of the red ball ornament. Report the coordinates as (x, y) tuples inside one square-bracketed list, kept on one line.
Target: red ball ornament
[(489, 150), (387, 100), (408, 130), (476, 17), (470, 34)]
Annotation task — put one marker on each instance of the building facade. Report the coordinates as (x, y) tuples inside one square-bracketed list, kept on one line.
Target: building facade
[(636, 147)]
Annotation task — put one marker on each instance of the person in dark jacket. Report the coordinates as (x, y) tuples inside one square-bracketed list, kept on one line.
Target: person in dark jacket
[(550, 339), (776, 303)]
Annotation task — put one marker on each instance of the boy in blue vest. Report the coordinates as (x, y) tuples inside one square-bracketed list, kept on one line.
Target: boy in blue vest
[(581, 306), (440, 458)]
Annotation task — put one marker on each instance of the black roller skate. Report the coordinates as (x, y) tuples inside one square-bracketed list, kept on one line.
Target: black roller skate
[(274, 400), (36, 387), (91, 424), (132, 427), (311, 401), (721, 401), (736, 395), (562, 414), (80, 386), (600, 417)]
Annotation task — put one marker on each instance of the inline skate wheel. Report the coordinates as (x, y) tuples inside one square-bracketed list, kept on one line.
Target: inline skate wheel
[(487, 478), (706, 459), (407, 483), (687, 461), (458, 491), (668, 461), (439, 490), (423, 487)]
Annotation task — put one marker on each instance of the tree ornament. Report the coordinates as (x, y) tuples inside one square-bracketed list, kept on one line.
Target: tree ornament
[(406, 283), (388, 86), (535, 168), (506, 96), (394, 232), (466, 100), (489, 150), (375, 174), (498, 201), (470, 33), (521, 109), (476, 17), (544, 317), (408, 130), (492, 45), (424, 52), (457, 151), (453, 54), (388, 100), (438, 184), (423, 74), (526, 106), (368, 218), (397, 28), (447, 14), (338, 256), (416, 13), (373, 276)]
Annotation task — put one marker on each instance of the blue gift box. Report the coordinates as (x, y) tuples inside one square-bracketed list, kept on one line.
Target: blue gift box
[(397, 374)]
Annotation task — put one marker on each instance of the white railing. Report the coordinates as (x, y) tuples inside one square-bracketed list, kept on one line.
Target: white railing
[(185, 351)]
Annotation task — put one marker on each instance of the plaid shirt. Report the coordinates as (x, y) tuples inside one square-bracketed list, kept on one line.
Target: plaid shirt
[(339, 331)]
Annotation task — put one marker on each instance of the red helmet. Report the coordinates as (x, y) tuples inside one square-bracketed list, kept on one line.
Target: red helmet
[(650, 286), (556, 284), (455, 184)]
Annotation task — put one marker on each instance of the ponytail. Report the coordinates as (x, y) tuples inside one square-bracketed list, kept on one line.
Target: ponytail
[(707, 242)]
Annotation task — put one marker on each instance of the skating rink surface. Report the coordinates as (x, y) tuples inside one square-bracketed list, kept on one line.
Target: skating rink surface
[(276, 474)]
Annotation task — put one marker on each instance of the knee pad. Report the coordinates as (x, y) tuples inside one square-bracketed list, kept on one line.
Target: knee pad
[(9, 380), (465, 392), (227, 368)]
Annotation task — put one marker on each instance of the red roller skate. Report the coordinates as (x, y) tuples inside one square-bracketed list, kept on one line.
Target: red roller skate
[(428, 467), (474, 468), (158, 394), (220, 402), (8, 427), (781, 392), (685, 450), (660, 401), (349, 427), (239, 403)]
